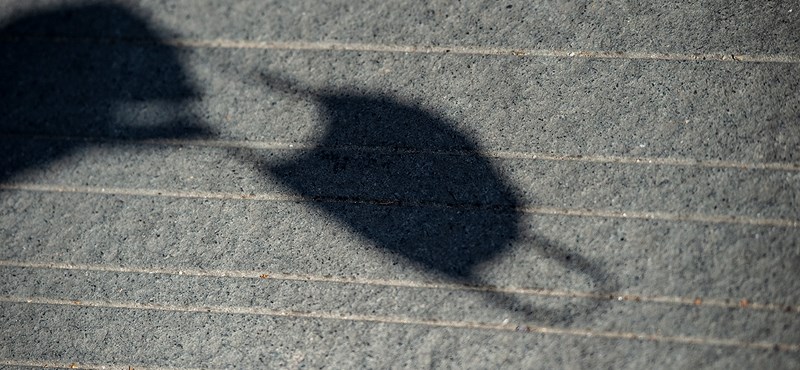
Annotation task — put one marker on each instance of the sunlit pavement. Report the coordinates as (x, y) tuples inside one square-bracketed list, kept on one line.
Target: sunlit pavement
[(206, 184)]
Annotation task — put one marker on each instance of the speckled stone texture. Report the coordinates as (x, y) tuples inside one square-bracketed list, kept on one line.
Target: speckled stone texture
[(347, 184)]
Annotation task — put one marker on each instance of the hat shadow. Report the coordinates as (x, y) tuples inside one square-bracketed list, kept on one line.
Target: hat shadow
[(405, 178)]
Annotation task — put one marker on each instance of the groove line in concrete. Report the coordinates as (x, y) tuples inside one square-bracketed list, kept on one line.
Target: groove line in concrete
[(454, 324), (741, 303), (500, 154), (54, 364), (299, 45), (283, 197)]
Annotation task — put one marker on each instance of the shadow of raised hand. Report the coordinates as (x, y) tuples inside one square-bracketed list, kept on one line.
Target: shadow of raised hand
[(63, 82)]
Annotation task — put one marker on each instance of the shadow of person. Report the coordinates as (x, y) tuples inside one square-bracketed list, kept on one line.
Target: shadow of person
[(409, 181), (65, 83)]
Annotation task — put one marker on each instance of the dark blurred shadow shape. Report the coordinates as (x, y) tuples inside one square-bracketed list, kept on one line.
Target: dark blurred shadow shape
[(447, 211), (65, 82), (408, 180)]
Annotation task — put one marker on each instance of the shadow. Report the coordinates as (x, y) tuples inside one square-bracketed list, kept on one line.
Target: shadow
[(64, 85), (409, 181), (397, 174)]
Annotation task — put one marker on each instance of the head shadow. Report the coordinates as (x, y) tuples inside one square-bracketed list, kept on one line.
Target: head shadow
[(408, 180), (69, 77)]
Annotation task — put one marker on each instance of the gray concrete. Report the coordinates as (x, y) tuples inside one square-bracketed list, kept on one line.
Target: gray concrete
[(171, 200)]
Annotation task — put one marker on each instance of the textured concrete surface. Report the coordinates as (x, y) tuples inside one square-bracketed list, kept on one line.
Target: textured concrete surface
[(212, 184)]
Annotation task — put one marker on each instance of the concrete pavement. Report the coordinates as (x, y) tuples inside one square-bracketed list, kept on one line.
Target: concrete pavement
[(207, 184)]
